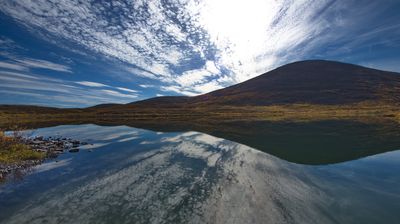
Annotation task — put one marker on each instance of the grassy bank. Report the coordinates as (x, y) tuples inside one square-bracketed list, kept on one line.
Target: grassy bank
[(363, 112), (14, 150)]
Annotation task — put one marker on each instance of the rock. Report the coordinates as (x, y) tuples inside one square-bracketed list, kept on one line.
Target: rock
[(75, 143), (59, 149), (37, 141), (73, 150)]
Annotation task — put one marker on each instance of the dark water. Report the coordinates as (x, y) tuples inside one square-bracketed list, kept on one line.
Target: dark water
[(131, 175)]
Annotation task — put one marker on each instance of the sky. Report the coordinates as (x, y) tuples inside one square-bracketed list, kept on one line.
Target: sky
[(79, 53)]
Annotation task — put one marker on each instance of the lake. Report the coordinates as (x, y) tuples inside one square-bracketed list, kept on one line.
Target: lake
[(239, 173)]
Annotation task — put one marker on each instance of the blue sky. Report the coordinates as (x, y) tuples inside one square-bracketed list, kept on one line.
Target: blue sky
[(71, 53)]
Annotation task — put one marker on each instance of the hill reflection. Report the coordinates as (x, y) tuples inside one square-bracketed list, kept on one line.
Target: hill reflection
[(314, 143)]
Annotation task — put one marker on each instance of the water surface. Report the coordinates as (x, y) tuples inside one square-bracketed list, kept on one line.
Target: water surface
[(131, 175)]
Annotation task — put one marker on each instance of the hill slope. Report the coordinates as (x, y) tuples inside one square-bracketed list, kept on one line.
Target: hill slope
[(310, 82)]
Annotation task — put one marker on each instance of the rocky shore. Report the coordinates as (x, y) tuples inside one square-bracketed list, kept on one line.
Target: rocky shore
[(51, 147)]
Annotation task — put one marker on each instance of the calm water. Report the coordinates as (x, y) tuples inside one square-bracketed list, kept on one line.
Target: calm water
[(130, 175)]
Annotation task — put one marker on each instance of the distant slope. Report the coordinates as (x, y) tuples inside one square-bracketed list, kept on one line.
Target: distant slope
[(166, 101), (309, 82), (14, 109)]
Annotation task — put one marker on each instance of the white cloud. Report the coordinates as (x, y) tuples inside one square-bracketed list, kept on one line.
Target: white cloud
[(13, 92), (91, 84), (127, 90), (43, 64), (118, 94), (211, 67), (192, 77), (26, 64), (170, 88), (18, 74), (140, 72), (207, 87), (12, 66), (145, 86)]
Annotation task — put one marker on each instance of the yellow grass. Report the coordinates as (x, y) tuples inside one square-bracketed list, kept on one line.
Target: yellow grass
[(364, 112)]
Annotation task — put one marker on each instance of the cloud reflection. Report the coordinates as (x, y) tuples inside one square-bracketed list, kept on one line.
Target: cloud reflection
[(185, 178)]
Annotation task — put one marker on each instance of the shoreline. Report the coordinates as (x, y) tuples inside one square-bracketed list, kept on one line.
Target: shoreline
[(43, 147)]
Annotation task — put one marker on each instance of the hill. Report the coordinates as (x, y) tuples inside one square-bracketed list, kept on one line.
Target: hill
[(304, 82)]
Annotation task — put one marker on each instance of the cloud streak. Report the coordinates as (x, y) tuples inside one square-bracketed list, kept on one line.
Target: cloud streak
[(26, 64), (43, 64), (57, 92), (91, 84)]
